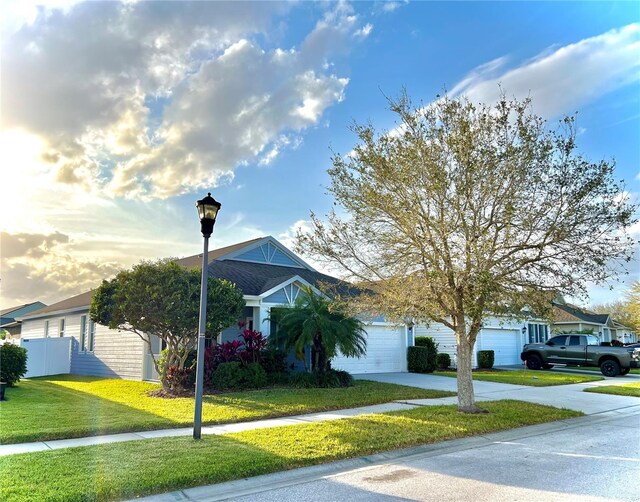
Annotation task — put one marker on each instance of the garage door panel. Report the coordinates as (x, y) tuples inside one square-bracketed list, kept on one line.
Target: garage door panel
[(386, 352), (505, 344)]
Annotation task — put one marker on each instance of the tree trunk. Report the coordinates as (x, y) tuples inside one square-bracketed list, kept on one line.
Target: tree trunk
[(466, 396), (319, 356)]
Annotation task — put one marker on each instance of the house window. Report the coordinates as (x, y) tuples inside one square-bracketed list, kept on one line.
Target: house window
[(538, 333), (61, 332), (92, 335), (83, 332), (46, 329)]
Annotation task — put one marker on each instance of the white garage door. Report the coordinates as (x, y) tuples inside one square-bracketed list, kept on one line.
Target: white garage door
[(505, 344), (386, 352)]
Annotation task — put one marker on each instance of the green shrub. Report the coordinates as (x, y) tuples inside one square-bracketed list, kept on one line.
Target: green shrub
[(485, 359), (443, 361), (274, 361), (430, 354), (303, 380), (418, 359), (330, 379), (426, 341), (327, 380), (345, 378), (234, 376), (278, 378), (254, 376), (13, 363)]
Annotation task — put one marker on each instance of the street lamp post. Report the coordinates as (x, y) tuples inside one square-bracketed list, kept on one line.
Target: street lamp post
[(208, 211)]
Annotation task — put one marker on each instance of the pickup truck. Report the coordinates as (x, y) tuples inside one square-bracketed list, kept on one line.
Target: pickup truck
[(580, 350)]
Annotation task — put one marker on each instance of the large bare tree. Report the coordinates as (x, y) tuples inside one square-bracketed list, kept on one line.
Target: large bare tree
[(467, 210)]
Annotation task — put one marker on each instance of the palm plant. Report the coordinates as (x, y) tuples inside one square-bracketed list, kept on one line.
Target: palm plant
[(315, 321)]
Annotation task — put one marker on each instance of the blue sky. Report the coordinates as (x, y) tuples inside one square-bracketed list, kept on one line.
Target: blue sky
[(116, 118)]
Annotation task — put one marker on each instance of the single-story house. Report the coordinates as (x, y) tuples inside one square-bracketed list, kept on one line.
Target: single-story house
[(570, 318), (269, 275), (8, 322)]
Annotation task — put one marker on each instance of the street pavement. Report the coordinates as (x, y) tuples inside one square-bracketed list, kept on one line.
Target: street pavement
[(591, 458)]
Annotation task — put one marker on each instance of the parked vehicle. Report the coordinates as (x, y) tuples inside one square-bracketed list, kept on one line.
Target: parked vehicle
[(581, 350)]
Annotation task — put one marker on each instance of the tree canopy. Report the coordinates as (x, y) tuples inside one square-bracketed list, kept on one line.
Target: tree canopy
[(626, 310), (163, 299), (467, 209)]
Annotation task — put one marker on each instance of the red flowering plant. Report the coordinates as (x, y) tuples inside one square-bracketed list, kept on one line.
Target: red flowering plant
[(254, 343)]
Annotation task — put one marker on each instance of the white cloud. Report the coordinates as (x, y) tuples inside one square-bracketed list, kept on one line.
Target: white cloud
[(561, 79), (152, 100), (364, 31), (390, 6), (43, 267)]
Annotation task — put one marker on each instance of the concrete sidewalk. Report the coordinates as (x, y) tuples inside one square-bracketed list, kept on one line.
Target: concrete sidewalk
[(12, 449)]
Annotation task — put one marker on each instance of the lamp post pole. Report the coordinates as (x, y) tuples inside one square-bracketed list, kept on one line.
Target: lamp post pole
[(197, 417), (207, 210)]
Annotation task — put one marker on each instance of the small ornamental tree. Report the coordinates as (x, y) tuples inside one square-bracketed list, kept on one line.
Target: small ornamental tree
[(468, 210), (163, 299)]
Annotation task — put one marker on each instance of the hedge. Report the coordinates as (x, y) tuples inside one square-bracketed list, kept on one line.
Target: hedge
[(421, 360), (485, 359)]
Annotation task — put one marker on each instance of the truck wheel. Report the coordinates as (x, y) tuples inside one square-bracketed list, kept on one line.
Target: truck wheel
[(610, 368), (547, 366), (534, 362), (624, 371)]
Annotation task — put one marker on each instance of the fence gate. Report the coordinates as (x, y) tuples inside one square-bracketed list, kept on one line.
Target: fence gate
[(47, 356)]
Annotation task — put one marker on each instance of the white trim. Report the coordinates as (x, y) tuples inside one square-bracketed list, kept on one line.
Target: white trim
[(286, 283), (52, 313), (267, 240)]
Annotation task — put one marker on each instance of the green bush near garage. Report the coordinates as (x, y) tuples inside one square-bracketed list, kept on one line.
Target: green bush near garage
[(423, 357), (485, 359)]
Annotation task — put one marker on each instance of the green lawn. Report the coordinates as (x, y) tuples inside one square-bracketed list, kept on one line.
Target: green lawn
[(628, 389), (136, 468), (69, 406), (527, 377)]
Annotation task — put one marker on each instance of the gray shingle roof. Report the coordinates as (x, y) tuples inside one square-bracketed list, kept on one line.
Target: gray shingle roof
[(258, 278), (582, 314)]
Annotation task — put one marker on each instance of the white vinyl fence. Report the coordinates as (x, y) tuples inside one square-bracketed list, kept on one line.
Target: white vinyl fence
[(47, 356)]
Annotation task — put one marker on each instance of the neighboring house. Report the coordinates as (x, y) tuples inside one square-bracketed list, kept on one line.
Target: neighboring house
[(8, 321), (570, 319), (505, 336), (269, 275)]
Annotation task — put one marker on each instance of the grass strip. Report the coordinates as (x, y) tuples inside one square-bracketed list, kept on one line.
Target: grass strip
[(137, 468), (628, 389), (69, 406), (527, 377)]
